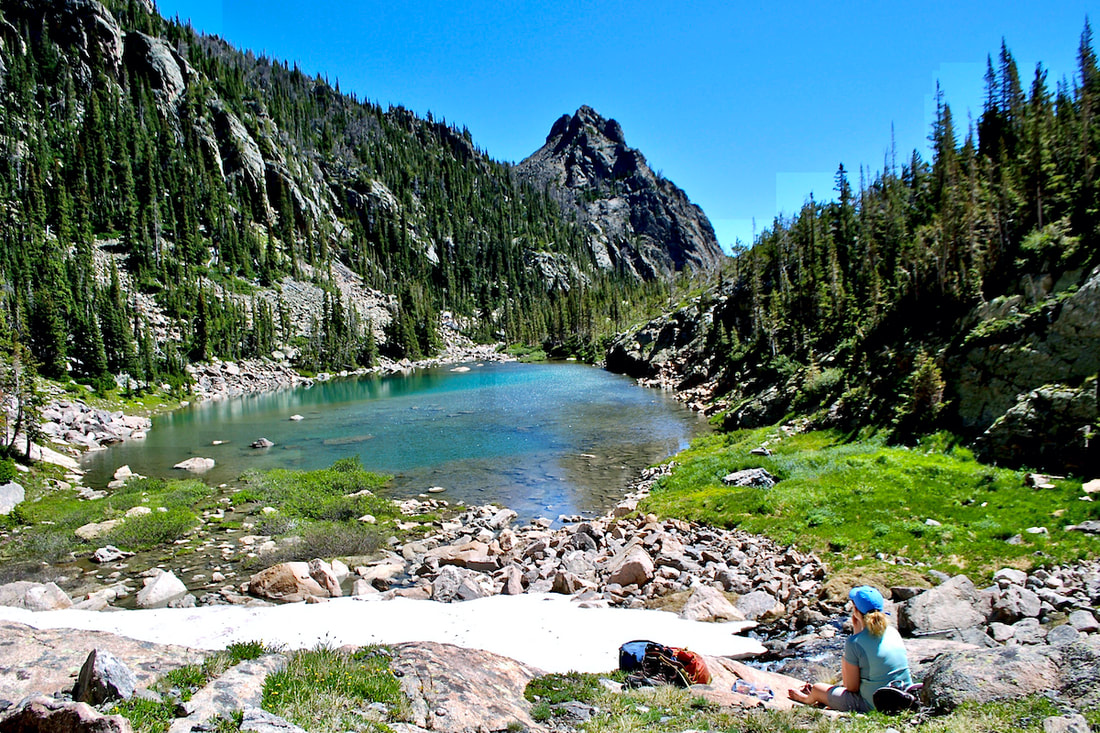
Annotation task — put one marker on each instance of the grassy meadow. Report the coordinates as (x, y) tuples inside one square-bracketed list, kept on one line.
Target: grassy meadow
[(861, 503)]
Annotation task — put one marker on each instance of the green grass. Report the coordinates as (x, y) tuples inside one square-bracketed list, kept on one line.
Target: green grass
[(150, 716), (325, 689), (146, 716), (242, 651), (852, 499), (147, 531), (556, 688), (49, 517), (318, 506), (313, 504), (670, 710), (527, 354), (322, 495)]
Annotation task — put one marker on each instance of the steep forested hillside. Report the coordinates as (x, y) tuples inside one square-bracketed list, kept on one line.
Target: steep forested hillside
[(160, 192), (961, 292)]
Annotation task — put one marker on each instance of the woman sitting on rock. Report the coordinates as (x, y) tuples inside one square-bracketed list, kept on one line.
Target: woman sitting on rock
[(874, 657)]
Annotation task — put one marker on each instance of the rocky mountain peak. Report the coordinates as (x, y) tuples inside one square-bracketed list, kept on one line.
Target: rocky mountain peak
[(568, 128), (637, 220)]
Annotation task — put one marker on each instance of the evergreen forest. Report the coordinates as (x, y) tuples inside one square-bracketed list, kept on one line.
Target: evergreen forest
[(103, 154), (162, 166), (877, 308)]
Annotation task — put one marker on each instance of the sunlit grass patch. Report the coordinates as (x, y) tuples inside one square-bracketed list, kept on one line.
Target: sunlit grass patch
[(151, 530), (321, 508), (326, 689), (146, 716), (670, 709), (329, 494), (856, 499), (46, 522)]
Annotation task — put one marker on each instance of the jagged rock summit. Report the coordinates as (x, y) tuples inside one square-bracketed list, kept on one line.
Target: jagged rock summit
[(637, 220)]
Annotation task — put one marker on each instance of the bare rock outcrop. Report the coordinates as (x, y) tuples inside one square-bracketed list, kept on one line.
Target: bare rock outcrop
[(160, 589), (41, 714), (104, 677), (985, 675), (708, 604), (34, 596), (47, 660), (952, 606), (455, 690), (11, 496), (239, 688), (197, 464), (166, 70), (241, 157), (87, 26)]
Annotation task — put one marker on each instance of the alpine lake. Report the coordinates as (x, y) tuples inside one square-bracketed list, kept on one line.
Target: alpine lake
[(545, 440)]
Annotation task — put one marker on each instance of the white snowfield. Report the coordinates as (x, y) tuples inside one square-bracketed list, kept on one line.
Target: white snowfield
[(547, 631)]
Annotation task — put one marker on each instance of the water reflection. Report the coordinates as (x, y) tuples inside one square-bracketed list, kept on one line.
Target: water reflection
[(543, 439)]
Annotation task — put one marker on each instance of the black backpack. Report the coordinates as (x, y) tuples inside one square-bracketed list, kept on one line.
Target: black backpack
[(648, 663)]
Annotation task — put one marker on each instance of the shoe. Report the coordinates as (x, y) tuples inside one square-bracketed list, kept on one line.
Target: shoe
[(893, 700)]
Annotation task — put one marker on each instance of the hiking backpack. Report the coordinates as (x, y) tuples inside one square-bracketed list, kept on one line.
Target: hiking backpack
[(648, 662)]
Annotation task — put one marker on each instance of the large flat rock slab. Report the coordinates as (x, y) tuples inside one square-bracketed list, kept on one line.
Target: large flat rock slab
[(452, 689), (46, 660), (725, 674)]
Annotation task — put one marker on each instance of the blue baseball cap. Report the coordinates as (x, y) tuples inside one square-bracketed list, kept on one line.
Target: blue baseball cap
[(866, 598)]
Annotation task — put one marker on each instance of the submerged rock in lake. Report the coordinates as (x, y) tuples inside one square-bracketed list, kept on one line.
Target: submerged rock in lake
[(196, 464)]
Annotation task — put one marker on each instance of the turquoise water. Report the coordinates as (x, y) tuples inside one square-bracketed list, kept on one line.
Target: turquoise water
[(543, 439)]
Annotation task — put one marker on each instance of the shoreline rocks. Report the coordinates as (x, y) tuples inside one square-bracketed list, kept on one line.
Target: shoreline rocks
[(74, 424), (613, 560)]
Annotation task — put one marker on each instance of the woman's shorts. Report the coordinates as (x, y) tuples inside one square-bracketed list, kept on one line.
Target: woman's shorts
[(841, 699)]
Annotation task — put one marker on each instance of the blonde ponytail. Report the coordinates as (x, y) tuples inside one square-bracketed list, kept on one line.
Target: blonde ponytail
[(875, 622)]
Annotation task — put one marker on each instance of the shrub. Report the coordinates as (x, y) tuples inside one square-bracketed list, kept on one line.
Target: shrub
[(150, 530), (8, 472), (922, 402), (277, 524), (47, 543), (329, 539), (822, 382)]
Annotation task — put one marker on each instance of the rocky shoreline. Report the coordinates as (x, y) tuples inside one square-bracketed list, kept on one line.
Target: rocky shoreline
[(621, 559), (1041, 626)]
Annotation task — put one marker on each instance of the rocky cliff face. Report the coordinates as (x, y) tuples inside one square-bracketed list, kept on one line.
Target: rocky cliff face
[(637, 220)]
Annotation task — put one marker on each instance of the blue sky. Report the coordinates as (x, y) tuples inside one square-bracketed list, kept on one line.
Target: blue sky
[(746, 106)]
